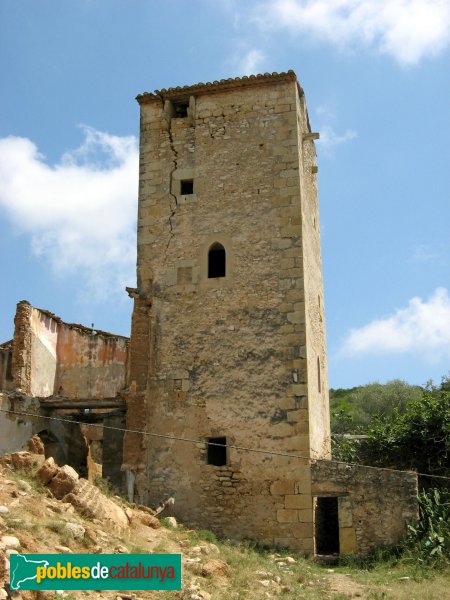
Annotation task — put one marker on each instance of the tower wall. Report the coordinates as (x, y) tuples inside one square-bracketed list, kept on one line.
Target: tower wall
[(233, 356)]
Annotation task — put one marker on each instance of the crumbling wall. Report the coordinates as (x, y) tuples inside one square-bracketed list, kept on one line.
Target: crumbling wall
[(16, 429), (375, 505), (90, 364), (51, 357), (44, 338), (6, 380)]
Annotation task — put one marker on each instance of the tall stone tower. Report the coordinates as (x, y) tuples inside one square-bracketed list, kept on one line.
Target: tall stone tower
[(228, 333)]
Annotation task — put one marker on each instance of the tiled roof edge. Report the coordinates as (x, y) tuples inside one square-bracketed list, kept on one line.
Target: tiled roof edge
[(223, 84)]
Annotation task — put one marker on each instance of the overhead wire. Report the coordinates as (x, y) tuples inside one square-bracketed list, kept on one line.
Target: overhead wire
[(208, 443)]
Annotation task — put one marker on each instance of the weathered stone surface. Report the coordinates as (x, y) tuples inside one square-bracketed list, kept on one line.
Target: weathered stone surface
[(35, 445), (10, 541), (47, 471), (215, 568), (63, 549), (63, 482), (75, 530), (377, 505), (149, 520), (25, 461), (227, 355), (89, 501), (282, 487)]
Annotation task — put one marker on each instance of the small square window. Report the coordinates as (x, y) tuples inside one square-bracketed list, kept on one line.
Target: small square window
[(187, 187), (217, 451), (180, 108)]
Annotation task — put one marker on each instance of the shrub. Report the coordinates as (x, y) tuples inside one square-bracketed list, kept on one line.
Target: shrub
[(429, 540)]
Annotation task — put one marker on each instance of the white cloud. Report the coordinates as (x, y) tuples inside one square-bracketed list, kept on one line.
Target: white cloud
[(408, 30), (427, 254), (422, 328), (80, 212), (329, 139), (249, 63)]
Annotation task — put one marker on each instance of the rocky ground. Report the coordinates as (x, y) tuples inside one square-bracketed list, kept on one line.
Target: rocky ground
[(45, 508)]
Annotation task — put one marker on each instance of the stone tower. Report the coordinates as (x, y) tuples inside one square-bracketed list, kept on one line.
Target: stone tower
[(228, 333)]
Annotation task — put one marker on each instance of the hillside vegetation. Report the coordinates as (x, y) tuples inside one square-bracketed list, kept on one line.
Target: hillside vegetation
[(213, 569), (404, 427)]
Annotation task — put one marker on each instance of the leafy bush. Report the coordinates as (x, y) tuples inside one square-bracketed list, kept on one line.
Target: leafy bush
[(417, 439), (345, 449)]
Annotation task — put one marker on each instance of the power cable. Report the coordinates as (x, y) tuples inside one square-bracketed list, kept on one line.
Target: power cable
[(206, 443)]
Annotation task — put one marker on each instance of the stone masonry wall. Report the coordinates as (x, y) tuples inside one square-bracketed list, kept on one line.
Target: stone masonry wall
[(375, 505), (316, 356), (228, 356)]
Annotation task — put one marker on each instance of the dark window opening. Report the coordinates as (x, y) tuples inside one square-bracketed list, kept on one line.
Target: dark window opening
[(187, 187), (327, 526), (180, 108), (216, 261), (217, 451)]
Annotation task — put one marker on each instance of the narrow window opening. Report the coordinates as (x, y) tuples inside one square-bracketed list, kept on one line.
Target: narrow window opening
[(319, 383), (180, 108), (187, 187), (327, 526), (216, 261), (217, 451)]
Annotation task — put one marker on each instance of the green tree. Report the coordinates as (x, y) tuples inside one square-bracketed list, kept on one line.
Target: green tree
[(352, 410), (417, 439)]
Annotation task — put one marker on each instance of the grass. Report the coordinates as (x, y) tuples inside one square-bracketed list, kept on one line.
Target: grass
[(202, 535), (105, 487), (379, 575), (36, 485)]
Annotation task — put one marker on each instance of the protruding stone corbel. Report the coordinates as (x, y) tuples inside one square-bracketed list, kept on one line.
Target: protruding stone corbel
[(310, 136)]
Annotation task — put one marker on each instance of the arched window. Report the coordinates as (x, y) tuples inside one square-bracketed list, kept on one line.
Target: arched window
[(216, 261)]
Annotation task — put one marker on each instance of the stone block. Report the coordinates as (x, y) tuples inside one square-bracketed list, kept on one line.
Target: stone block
[(305, 515), (63, 482), (299, 389), (296, 317), (47, 471), (282, 487), (345, 512), (308, 545), (287, 515), (298, 501), (303, 530), (347, 540)]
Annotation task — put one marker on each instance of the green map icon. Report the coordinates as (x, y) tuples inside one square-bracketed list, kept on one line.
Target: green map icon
[(24, 569)]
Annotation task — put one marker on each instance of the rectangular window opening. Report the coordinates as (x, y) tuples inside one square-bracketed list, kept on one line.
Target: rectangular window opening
[(180, 108), (217, 451), (327, 526), (187, 187)]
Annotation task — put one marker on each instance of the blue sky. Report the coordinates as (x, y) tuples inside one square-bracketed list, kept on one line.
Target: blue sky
[(376, 74)]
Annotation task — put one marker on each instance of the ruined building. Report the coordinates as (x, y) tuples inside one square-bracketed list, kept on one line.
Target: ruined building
[(228, 336), (64, 370)]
